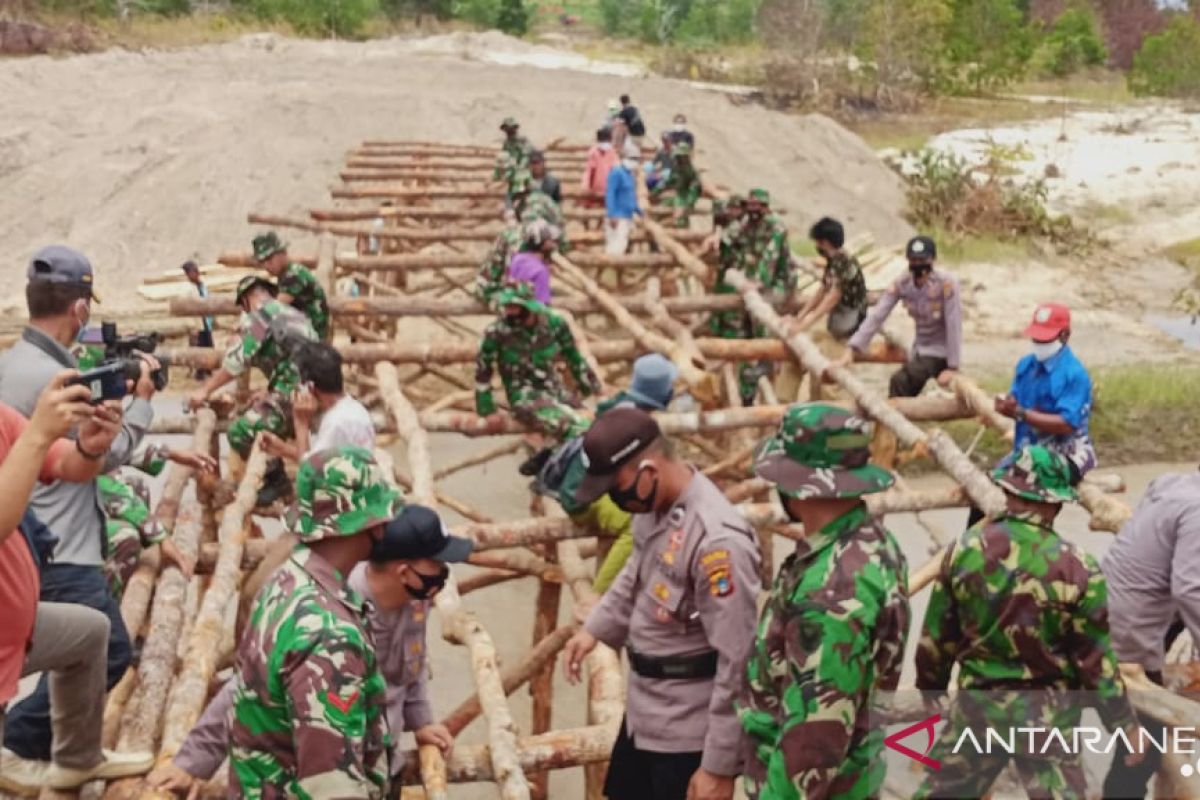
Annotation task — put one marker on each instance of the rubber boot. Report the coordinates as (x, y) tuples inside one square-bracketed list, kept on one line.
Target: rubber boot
[(276, 485)]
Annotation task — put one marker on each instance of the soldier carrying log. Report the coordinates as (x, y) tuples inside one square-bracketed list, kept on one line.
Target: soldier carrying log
[(272, 335)]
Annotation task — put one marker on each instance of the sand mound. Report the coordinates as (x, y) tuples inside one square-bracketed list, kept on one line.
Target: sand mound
[(145, 159)]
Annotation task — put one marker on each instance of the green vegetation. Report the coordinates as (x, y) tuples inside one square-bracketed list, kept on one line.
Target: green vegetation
[(1169, 63), (1187, 254), (1073, 43), (1142, 412)]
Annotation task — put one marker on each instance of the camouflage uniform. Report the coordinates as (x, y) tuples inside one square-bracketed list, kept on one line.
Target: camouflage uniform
[(834, 627), (307, 297), (766, 257), (513, 158), (539, 205), (684, 180), (526, 357), (843, 270), (128, 524), (494, 268), (296, 281), (308, 717), (1024, 614), (269, 337)]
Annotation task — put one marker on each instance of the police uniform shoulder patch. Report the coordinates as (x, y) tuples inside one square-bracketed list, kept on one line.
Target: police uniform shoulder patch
[(719, 572)]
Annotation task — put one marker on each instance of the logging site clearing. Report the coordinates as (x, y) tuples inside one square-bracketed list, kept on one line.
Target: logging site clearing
[(143, 160)]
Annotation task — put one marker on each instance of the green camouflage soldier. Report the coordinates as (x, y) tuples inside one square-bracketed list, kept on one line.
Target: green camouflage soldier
[(298, 287), (684, 180), (515, 153), (841, 299), (128, 524), (494, 268), (525, 343), (530, 203), (1024, 614), (308, 715), (833, 629), (272, 334), (727, 221)]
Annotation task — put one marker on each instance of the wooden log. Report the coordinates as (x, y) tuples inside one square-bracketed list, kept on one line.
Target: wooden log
[(606, 705), (433, 213), (555, 750), (981, 405), (686, 356), (114, 707), (513, 676), (937, 407), (491, 577), (190, 691), (470, 424), (476, 459), (541, 685), (327, 266), (408, 424), (1107, 513), (458, 352), (518, 559), (985, 495)]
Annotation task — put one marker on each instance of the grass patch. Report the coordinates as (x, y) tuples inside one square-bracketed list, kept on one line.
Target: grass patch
[(1141, 413), (1103, 87), (1104, 214), (975, 248), (1186, 253)]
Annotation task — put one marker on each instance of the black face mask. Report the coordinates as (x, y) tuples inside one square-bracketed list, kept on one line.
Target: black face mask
[(517, 319), (920, 270), (629, 500), (430, 584)]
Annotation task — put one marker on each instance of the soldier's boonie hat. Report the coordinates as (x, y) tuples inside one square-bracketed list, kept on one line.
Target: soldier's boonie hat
[(920, 248), (761, 195), (267, 244), (509, 123), (518, 293), (1036, 474), (681, 149), (250, 281), (821, 451), (653, 381), (57, 263), (735, 200), (1049, 320), (341, 491), (614, 439), (418, 532)]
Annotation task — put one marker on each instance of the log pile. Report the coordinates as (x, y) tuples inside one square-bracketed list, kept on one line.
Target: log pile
[(411, 259)]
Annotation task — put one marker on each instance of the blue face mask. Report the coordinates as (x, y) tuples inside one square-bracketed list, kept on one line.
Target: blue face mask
[(82, 332)]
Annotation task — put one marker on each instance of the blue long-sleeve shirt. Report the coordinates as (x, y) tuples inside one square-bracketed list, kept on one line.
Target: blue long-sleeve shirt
[(620, 194), (1059, 385)]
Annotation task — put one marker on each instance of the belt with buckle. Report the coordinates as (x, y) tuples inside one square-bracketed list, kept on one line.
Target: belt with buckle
[(689, 667)]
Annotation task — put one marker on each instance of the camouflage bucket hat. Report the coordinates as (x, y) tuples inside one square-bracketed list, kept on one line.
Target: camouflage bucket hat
[(341, 491), (821, 451), (1036, 474), (761, 195), (266, 245), (509, 122), (250, 281), (518, 293)]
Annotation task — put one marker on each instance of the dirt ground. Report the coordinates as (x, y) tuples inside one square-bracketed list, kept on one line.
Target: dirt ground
[(144, 159)]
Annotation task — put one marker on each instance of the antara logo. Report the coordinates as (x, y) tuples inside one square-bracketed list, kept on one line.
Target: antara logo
[(926, 725)]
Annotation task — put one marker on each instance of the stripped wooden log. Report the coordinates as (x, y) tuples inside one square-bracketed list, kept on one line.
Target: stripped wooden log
[(191, 688), (981, 405), (427, 213), (513, 676)]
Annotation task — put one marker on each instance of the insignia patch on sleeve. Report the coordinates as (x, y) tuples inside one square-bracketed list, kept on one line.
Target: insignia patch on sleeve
[(343, 704), (716, 566)]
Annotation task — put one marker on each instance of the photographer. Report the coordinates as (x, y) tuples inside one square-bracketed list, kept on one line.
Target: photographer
[(59, 294), (65, 640)]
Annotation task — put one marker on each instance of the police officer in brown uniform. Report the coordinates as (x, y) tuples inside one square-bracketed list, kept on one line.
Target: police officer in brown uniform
[(683, 608)]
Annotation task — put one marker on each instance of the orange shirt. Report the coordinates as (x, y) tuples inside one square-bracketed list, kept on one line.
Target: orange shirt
[(20, 583)]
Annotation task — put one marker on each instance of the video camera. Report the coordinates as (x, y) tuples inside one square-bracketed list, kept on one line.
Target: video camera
[(124, 350)]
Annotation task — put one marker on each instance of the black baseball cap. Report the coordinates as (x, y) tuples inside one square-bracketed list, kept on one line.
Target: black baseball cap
[(615, 439), (418, 532), (57, 263), (920, 248)]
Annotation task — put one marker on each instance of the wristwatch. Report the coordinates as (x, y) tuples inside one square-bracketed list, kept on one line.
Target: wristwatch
[(1019, 414)]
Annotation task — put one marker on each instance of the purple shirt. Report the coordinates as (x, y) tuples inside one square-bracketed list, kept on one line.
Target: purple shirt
[(530, 268), (399, 637)]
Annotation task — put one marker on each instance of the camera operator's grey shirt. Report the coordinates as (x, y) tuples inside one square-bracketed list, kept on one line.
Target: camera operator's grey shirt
[(70, 510)]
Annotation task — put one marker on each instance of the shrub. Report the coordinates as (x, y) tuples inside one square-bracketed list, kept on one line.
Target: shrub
[(1169, 63), (338, 18), (1073, 43), (478, 12), (513, 17), (618, 16)]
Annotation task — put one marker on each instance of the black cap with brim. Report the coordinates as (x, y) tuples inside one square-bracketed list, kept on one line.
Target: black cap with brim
[(614, 439), (418, 532)]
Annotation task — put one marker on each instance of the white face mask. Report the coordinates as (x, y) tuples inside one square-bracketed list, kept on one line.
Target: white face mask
[(679, 127), (1046, 350)]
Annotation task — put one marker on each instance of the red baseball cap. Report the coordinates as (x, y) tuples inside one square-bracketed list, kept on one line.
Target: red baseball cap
[(1049, 320)]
